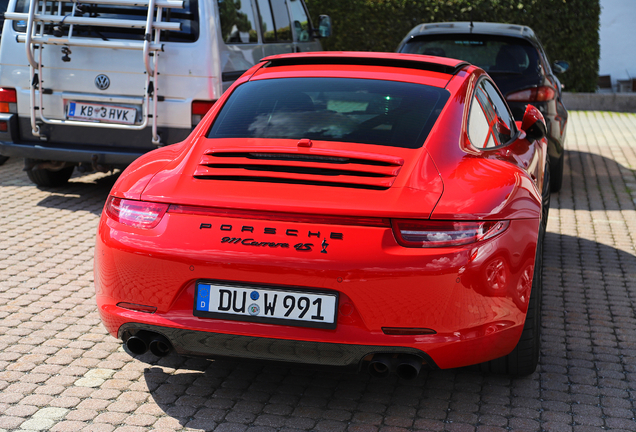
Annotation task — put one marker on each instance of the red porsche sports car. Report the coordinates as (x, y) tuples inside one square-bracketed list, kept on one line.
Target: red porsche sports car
[(376, 210)]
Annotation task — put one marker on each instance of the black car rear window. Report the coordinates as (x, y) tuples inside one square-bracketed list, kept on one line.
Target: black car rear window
[(332, 109), (188, 16), (494, 54)]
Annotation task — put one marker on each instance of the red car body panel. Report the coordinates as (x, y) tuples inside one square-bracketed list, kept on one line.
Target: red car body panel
[(473, 297)]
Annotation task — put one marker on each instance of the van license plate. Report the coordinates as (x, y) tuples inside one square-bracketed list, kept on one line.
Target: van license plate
[(266, 305), (101, 113)]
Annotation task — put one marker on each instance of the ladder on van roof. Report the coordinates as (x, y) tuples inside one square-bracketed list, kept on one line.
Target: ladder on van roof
[(43, 12)]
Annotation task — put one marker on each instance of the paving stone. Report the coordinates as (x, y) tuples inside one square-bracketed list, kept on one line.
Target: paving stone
[(37, 424), (51, 413)]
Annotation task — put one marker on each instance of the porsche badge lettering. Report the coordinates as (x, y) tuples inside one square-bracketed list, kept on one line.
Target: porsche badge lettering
[(249, 241), (288, 232)]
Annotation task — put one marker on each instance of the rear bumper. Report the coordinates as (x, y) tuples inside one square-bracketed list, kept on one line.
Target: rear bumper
[(192, 343), (81, 144)]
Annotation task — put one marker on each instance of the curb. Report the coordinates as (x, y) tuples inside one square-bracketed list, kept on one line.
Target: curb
[(618, 102)]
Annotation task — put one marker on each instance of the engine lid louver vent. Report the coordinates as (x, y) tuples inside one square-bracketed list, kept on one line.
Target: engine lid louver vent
[(314, 167)]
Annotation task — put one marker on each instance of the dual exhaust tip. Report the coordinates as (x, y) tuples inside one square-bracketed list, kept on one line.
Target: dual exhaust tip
[(406, 366), (143, 341)]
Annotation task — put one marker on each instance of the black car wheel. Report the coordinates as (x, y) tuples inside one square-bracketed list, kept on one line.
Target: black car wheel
[(49, 178), (3, 159), (545, 195), (556, 173)]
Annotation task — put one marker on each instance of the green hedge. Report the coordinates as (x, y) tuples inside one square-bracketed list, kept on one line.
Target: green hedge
[(568, 29)]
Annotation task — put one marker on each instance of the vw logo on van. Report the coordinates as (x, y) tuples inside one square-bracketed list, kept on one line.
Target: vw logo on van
[(102, 82)]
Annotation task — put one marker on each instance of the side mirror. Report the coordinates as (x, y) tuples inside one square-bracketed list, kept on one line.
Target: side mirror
[(533, 124), (324, 26), (560, 66)]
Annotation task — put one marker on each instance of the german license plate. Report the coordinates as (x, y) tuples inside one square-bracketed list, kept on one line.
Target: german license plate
[(266, 305), (101, 113)]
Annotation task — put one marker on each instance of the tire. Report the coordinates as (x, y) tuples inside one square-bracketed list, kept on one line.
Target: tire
[(3, 159), (545, 196), (49, 178), (556, 171), (524, 358)]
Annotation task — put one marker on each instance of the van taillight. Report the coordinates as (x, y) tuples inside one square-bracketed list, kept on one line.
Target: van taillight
[(200, 109), (8, 100), (536, 94)]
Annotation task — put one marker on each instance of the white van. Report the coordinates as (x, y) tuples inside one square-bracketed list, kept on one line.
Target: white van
[(96, 85)]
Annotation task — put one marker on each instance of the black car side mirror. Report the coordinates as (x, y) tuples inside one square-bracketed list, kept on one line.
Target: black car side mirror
[(560, 66), (533, 124)]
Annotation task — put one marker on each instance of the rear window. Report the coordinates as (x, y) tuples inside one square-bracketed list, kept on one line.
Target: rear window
[(188, 16), (494, 54), (332, 109)]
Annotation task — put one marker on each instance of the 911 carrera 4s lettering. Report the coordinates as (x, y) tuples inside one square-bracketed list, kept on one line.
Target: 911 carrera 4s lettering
[(302, 247), (252, 242)]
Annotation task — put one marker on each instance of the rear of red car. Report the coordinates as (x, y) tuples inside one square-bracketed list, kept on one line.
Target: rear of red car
[(304, 229)]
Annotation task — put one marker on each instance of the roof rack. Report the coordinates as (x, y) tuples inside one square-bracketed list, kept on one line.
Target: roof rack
[(43, 14)]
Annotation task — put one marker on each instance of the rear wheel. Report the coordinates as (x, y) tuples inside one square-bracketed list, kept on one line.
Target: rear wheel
[(524, 357), (545, 196), (556, 171), (47, 177), (3, 159)]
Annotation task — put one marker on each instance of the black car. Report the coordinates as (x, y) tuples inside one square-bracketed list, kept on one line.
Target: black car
[(513, 56)]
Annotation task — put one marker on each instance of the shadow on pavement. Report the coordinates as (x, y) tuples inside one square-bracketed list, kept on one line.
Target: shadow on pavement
[(244, 392), (83, 192), (589, 174)]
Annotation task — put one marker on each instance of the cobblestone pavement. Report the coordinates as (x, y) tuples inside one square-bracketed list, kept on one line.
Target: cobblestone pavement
[(61, 371)]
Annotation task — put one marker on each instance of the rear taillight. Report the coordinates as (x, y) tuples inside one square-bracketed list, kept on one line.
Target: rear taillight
[(137, 214), (8, 100), (200, 109), (536, 94), (426, 234)]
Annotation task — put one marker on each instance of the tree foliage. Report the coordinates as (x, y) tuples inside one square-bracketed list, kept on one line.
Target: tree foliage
[(568, 29)]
